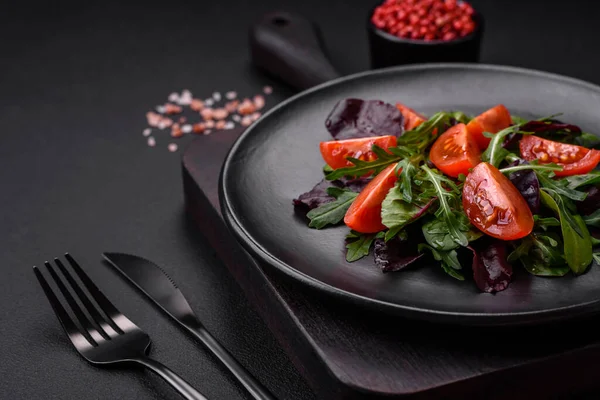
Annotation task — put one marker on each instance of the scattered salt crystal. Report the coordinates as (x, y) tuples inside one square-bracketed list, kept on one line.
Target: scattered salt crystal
[(236, 118), (206, 132), (207, 113), (229, 125), (197, 104), (176, 131), (209, 124), (186, 128), (268, 90), (220, 124), (147, 132), (255, 116), (172, 147), (217, 96), (161, 125), (220, 113), (151, 141), (259, 101), (231, 95), (161, 109), (186, 98), (247, 120), (209, 102), (173, 97), (246, 107)]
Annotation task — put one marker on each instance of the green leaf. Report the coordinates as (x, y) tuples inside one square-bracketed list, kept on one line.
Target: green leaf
[(327, 170), (545, 223), (495, 152), (396, 213), (331, 213), (438, 235), (593, 219), (360, 167), (596, 258), (541, 254), (409, 170), (544, 167), (577, 240), (595, 242), (422, 136), (359, 245), (560, 187), (448, 259), (455, 224), (588, 140), (577, 181)]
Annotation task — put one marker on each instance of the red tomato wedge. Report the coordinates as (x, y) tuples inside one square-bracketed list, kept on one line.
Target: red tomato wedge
[(455, 151), (364, 214), (574, 159), (412, 119), (494, 205), (335, 152), (493, 120)]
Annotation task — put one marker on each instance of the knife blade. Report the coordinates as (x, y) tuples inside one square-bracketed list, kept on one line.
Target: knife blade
[(156, 284)]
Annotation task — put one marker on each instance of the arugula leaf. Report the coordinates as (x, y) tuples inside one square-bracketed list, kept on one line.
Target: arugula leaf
[(361, 167), (396, 213), (560, 186), (495, 152), (331, 213), (593, 219), (545, 223), (596, 258), (577, 181), (541, 254), (532, 166), (359, 245), (587, 140), (595, 242), (422, 136), (577, 240), (409, 170), (455, 223), (448, 259)]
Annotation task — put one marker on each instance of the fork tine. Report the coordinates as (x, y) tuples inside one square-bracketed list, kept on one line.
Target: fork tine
[(93, 311), (105, 305), (69, 326), (79, 314)]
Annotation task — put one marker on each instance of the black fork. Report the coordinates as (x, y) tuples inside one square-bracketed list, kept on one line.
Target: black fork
[(106, 336)]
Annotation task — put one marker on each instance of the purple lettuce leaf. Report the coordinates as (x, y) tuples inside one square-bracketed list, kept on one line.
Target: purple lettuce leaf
[(591, 201), (527, 183), (318, 195), (550, 126), (356, 118), (396, 254), (491, 270)]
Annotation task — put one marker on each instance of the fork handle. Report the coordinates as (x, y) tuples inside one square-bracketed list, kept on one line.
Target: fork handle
[(178, 383)]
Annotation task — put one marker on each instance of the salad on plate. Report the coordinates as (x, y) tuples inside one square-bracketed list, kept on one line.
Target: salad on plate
[(494, 191)]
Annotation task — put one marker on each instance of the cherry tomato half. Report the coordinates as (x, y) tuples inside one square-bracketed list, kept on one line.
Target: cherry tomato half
[(493, 120), (455, 151), (412, 119), (364, 214), (335, 152), (574, 159), (494, 205)]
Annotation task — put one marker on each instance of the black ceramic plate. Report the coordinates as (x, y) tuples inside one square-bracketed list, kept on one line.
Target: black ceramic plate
[(278, 158)]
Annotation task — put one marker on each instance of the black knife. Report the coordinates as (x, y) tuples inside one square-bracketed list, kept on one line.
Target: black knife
[(160, 288)]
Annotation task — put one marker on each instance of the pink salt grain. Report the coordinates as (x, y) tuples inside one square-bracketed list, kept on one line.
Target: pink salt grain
[(209, 124), (153, 118), (197, 105), (230, 95), (220, 124), (176, 131), (172, 147), (146, 132), (219, 113), (151, 141), (246, 121), (267, 90), (259, 101), (198, 128), (247, 107), (172, 109), (207, 113), (231, 106)]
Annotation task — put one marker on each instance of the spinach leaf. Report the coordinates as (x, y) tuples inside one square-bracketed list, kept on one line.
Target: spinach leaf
[(396, 212), (541, 254), (331, 213), (358, 245), (577, 181), (577, 240), (448, 260), (593, 219)]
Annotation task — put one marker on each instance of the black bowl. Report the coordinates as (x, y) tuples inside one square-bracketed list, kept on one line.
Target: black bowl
[(387, 50)]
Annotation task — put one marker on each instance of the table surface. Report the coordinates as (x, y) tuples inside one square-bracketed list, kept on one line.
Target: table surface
[(76, 81)]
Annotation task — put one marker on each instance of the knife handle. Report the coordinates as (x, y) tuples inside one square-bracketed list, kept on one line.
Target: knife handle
[(255, 388)]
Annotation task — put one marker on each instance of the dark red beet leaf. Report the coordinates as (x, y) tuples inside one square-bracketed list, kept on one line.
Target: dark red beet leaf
[(527, 183), (591, 201), (318, 196), (395, 255), (491, 271), (356, 118), (550, 126)]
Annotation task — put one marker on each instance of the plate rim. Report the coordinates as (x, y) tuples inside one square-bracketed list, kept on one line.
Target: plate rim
[(248, 242)]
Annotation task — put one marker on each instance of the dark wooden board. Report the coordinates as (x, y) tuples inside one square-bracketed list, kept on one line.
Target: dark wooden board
[(346, 353)]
